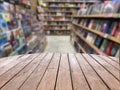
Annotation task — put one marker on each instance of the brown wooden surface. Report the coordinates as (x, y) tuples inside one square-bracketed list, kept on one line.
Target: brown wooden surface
[(55, 71)]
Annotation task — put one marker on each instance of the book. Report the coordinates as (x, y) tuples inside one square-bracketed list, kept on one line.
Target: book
[(111, 26), (98, 41), (97, 8), (91, 37), (104, 45), (115, 28), (3, 39), (89, 10), (105, 26), (118, 54), (111, 7), (109, 48), (101, 24), (91, 24), (97, 24), (114, 50)]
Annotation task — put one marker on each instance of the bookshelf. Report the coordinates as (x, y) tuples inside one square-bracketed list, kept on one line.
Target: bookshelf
[(59, 15), (20, 32), (106, 36), (91, 45), (98, 29)]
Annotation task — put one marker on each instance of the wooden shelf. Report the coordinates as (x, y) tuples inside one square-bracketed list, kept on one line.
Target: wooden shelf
[(91, 45), (62, 7), (98, 16), (70, 2), (107, 36), (82, 49), (58, 15)]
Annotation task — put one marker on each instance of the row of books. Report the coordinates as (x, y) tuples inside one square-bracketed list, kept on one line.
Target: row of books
[(64, 4), (59, 27), (58, 23), (56, 18), (55, 32), (104, 45), (85, 46), (106, 26), (105, 8)]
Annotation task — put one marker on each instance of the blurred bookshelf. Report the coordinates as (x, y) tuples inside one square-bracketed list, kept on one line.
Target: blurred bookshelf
[(97, 30)]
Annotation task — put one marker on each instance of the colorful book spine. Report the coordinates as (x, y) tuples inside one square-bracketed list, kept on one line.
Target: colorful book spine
[(98, 41), (108, 50)]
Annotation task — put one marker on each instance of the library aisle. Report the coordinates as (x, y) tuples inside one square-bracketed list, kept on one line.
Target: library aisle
[(59, 44)]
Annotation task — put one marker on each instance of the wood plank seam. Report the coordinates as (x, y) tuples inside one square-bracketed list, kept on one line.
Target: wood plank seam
[(32, 72), (83, 73), (35, 77), (57, 73), (25, 67), (44, 72), (105, 68), (12, 67), (114, 60), (18, 72), (97, 73), (64, 75), (108, 62), (70, 72)]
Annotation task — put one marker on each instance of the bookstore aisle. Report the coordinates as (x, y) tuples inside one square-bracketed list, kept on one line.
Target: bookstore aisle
[(59, 44)]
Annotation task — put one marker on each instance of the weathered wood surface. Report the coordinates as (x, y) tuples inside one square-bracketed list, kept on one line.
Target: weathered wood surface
[(55, 71)]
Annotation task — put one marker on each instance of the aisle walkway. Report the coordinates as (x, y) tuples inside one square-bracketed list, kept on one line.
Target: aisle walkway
[(59, 44)]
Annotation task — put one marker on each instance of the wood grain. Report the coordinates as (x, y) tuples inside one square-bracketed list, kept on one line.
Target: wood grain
[(104, 74), (33, 81), (93, 79), (49, 78), (79, 81), (64, 79), (55, 71), (19, 79), (107, 66), (110, 61), (4, 78)]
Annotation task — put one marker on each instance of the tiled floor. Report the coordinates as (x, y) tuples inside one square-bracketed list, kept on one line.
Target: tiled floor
[(59, 44)]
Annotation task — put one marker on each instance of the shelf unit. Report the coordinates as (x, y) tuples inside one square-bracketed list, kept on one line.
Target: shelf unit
[(103, 35), (81, 48), (61, 13), (91, 45), (106, 36)]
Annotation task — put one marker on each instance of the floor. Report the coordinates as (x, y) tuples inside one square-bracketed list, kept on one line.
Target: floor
[(60, 44)]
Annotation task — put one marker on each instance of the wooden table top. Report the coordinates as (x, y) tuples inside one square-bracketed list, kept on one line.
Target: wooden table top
[(55, 71)]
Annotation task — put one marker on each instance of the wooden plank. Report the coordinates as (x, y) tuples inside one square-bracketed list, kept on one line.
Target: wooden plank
[(64, 79), (7, 60), (20, 78), (103, 74), (93, 79), (115, 59), (33, 81), (5, 68), (112, 70), (49, 78), (110, 61), (4, 78), (79, 81)]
